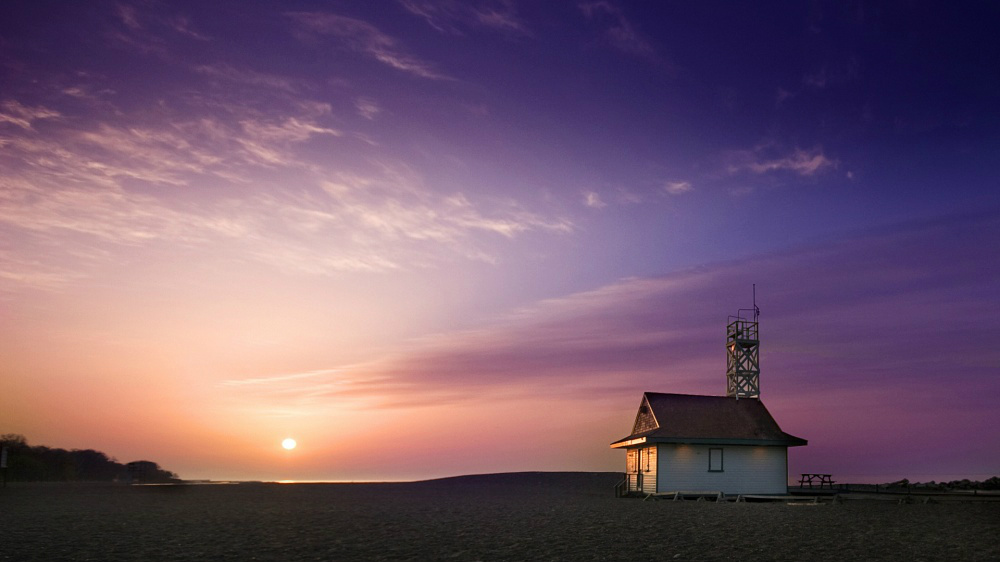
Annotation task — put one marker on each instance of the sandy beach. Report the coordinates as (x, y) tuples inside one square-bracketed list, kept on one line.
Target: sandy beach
[(534, 516)]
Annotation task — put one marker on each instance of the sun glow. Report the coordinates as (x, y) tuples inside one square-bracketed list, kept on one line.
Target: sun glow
[(288, 444)]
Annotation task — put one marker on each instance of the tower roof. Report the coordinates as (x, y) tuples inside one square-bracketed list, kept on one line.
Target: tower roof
[(690, 418)]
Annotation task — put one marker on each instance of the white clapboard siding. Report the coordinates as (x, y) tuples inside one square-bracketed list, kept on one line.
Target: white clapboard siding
[(746, 469)]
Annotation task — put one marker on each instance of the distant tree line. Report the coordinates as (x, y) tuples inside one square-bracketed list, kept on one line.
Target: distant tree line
[(26, 463), (965, 484)]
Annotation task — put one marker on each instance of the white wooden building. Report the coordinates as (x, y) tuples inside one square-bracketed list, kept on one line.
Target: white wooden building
[(685, 442), (728, 444)]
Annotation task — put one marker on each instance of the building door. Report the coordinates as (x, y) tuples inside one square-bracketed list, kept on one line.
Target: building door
[(632, 473), (647, 470)]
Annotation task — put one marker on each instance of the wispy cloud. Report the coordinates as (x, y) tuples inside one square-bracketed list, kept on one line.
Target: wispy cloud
[(246, 76), (103, 156), (816, 79), (367, 108), (626, 196), (501, 16), (763, 159), (805, 163), (128, 16), (363, 37), (677, 187), (147, 29), (182, 25), (141, 21), (821, 79), (267, 142), (284, 378), (451, 16), (619, 31), (593, 200), (111, 187), (394, 205), (611, 195), (291, 129), (87, 92), (23, 116)]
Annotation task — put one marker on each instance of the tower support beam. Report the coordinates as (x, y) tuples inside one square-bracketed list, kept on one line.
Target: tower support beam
[(742, 358)]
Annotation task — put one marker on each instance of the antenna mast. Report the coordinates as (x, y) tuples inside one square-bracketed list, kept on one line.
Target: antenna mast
[(756, 309)]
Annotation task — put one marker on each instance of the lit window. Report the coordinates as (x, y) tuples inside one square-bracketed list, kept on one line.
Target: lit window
[(715, 460)]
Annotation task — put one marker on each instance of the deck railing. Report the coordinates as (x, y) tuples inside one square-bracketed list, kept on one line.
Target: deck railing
[(621, 488)]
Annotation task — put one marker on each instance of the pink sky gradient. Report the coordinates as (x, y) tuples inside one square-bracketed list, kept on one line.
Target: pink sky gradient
[(869, 351)]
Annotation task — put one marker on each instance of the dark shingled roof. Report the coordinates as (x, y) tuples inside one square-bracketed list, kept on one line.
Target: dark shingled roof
[(688, 418)]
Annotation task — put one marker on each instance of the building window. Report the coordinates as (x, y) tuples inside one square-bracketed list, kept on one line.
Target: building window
[(715, 460), (632, 464)]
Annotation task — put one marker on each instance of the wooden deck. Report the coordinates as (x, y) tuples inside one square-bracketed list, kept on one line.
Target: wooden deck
[(789, 499), (698, 495)]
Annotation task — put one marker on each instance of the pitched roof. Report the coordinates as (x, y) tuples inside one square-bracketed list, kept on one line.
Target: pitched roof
[(689, 418)]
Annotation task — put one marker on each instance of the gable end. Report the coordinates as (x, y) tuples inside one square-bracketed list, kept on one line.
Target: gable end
[(644, 420)]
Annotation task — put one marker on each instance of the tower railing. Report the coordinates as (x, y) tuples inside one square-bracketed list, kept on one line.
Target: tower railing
[(740, 328)]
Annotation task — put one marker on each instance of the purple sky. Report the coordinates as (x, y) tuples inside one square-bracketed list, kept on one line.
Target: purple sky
[(473, 233)]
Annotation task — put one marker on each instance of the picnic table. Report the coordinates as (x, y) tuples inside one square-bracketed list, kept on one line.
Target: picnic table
[(815, 480)]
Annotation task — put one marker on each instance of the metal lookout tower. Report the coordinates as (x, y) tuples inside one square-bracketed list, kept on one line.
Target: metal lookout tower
[(743, 353)]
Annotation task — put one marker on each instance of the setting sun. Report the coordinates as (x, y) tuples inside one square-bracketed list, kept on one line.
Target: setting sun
[(288, 444)]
